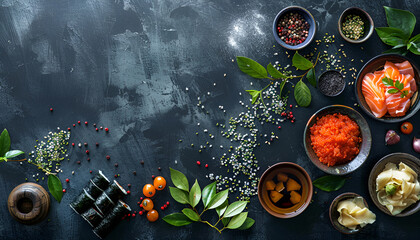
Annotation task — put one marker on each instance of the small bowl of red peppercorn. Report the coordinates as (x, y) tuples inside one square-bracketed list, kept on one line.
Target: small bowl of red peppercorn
[(294, 27)]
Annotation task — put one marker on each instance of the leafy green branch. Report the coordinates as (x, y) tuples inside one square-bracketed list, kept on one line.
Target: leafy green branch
[(401, 25), (54, 183), (395, 86), (302, 93), (231, 215)]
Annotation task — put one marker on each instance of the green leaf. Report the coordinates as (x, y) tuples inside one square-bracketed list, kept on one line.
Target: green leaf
[(404, 93), (392, 36), (311, 77), (225, 221), (415, 48), (282, 86), (251, 67), (195, 194), (249, 222), (414, 44), (179, 195), (302, 94), (255, 95), (218, 199), (329, 183), (13, 153), (237, 221), (208, 192), (4, 142), (401, 19), (3, 159), (300, 62), (55, 187), (399, 85), (222, 208), (275, 73), (193, 216), (179, 180), (401, 51), (235, 208), (388, 82), (392, 91), (177, 219)]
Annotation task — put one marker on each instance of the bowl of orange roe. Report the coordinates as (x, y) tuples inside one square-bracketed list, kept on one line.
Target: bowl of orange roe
[(337, 139)]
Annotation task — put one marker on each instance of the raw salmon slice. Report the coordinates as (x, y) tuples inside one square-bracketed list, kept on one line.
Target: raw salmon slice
[(374, 92), (396, 105), (406, 69)]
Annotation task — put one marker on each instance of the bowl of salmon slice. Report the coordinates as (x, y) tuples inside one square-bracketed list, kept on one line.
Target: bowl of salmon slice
[(387, 88)]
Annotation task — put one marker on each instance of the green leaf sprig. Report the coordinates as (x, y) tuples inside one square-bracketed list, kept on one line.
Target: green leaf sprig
[(329, 183), (401, 25), (231, 215), (5, 153), (395, 86), (302, 93)]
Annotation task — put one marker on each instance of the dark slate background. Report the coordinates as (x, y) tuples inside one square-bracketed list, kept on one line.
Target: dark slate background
[(125, 64)]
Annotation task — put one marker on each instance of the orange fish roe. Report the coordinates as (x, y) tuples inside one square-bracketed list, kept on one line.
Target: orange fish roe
[(335, 139)]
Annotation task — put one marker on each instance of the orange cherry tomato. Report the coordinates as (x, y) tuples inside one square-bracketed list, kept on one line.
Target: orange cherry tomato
[(147, 204), (149, 190), (159, 183), (406, 127), (152, 216)]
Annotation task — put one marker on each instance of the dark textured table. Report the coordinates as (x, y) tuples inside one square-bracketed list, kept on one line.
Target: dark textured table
[(126, 65)]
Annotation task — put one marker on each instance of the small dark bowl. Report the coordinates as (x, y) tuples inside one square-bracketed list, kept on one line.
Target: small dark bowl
[(341, 87), (396, 158), (334, 214), (298, 172), (377, 63), (308, 17), (367, 20), (365, 146)]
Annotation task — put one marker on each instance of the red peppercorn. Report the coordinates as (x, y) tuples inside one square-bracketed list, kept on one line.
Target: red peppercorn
[(74, 125), (153, 176), (291, 106), (198, 163), (108, 157), (115, 175), (68, 129), (128, 192), (141, 198), (165, 206), (78, 162), (206, 165), (87, 151), (141, 212), (138, 203), (67, 180), (72, 144), (106, 129), (133, 215), (96, 129), (279, 127), (162, 208), (64, 190), (128, 185), (78, 122), (86, 123), (167, 203), (88, 159), (90, 171), (141, 205), (51, 109), (293, 121)]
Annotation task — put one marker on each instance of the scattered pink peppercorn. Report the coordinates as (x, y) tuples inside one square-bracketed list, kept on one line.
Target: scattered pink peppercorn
[(128, 192), (291, 106), (78, 162), (153, 176), (64, 190), (206, 166), (86, 123), (165, 206), (116, 164), (68, 129), (138, 203), (74, 125), (101, 127), (96, 129), (67, 180), (167, 203), (141, 198), (141, 212), (73, 144), (198, 163), (162, 208), (106, 129), (88, 159), (141, 205), (115, 175), (108, 157), (129, 185), (87, 151), (279, 127), (90, 171), (78, 122), (133, 215)]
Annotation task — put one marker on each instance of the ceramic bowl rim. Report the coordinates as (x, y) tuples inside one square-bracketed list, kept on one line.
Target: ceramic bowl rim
[(344, 85)]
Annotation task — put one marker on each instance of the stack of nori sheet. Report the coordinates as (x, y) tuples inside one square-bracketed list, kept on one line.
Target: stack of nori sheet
[(100, 206)]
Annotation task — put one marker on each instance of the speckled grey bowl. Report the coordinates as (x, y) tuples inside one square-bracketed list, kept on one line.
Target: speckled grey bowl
[(365, 146), (334, 214), (396, 158)]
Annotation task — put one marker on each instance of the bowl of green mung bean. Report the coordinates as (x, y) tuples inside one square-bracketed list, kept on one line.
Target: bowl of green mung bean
[(355, 25)]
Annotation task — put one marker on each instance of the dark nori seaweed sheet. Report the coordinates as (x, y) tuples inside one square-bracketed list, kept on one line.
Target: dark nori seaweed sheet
[(115, 191), (112, 220), (104, 204), (83, 202), (100, 180), (93, 217), (93, 190)]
